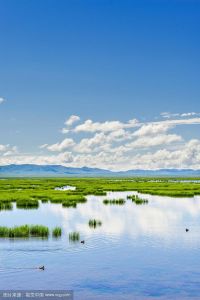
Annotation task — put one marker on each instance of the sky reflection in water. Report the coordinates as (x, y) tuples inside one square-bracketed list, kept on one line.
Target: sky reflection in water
[(140, 250)]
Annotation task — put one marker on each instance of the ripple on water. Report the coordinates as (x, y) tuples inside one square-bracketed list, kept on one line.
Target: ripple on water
[(94, 242)]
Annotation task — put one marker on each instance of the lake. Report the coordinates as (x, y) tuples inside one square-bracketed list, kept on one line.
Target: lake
[(139, 251)]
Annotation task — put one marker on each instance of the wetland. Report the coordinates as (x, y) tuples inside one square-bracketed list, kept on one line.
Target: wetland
[(135, 245)]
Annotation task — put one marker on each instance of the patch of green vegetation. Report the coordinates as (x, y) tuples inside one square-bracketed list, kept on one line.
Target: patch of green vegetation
[(94, 223), (100, 193), (27, 204), (24, 231), (114, 201), (74, 237), (137, 200), (26, 192), (69, 204), (6, 206), (57, 232), (38, 231)]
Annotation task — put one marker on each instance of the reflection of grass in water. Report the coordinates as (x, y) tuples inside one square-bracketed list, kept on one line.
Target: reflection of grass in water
[(6, 206), (24, 231), (137, 200), (100, 193), (73, 200), (27, 204), (69, 204), (114, 201), (57, 232), (94, 223), (74, 236), (44, 200)]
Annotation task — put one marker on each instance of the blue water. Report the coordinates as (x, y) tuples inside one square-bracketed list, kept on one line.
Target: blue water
[(139, 252)]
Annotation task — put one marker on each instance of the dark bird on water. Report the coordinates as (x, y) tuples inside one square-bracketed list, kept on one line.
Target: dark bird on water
[(186, 229), (41, 268), (83, 242)]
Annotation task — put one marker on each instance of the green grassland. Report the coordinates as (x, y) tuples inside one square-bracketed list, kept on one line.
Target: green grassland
[(26, 192)]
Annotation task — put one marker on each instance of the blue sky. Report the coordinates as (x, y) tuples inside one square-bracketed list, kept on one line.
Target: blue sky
[(102, 61)]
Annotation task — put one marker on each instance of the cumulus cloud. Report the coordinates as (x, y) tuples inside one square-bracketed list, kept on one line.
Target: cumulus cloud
[(187, 155), (153, 129), (108, 126), (72, 119), (69, 122), (117, 145), (125, 145), (102, 141), (61, 158), (149, 141), (7, 150), (58, 147)]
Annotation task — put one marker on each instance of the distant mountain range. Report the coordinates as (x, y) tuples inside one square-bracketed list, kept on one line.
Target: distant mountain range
[(58, 170)]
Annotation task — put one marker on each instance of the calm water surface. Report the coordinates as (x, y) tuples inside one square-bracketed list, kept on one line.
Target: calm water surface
[(139, 252)]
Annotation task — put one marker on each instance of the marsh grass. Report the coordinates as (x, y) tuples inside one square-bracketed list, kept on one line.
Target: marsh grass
[(73, 200), (69, 204), (27, 204), (56, 200), (6, 206), (44, 200), (74, 236), (24, 231), (100, 193), (137, 200), (26, 192), (38, 231), (114, 201), (57, 232), (93, 223)]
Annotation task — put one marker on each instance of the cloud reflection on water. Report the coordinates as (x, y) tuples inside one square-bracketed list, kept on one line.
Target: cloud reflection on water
[(163, 217)]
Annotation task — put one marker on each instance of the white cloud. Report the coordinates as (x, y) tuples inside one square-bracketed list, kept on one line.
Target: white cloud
[(43, 146), (153, 129), (69, 122), (158, 140), (191, 114), (7, 150), (108, 126), (58, 147), (72, 119), (150, 127), (2, 100), (187, 155), (62, 158), (65, 130), (118, 145), (3, 148), (189, 121), (102, 141), (168, 115)]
